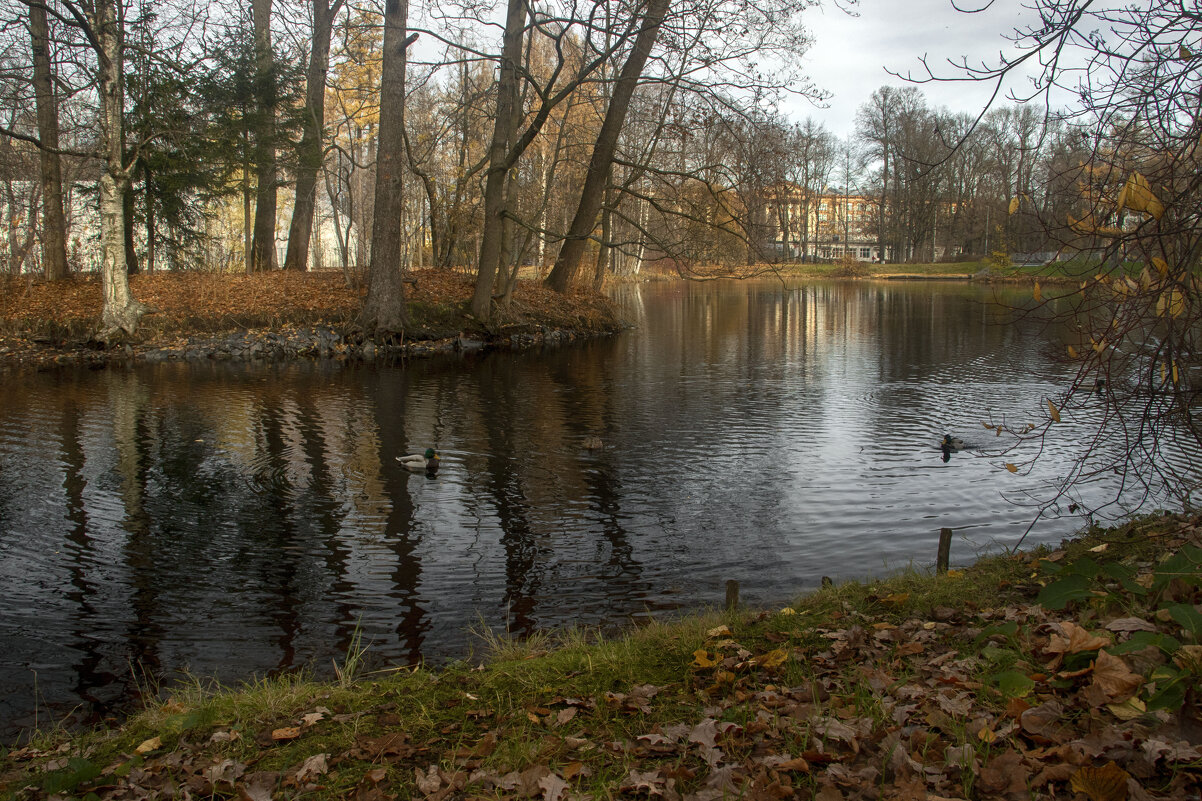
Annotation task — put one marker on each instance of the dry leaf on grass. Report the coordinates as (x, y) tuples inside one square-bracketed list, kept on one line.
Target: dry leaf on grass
[(1107, 783), (1114, 678)]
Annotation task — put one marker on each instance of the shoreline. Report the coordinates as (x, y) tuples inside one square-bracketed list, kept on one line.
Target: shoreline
[(1020, 676), (312, 316), (278, 316)]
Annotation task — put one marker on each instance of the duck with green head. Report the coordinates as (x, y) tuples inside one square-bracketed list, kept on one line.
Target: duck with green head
[(419, 462)]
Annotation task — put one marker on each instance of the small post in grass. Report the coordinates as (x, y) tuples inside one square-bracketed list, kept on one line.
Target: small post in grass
[(732, 595), (945, 550)]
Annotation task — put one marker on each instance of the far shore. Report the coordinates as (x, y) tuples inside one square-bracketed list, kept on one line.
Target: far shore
[(282, 315)]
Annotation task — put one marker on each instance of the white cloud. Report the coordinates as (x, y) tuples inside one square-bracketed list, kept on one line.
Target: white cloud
[(850, 55)]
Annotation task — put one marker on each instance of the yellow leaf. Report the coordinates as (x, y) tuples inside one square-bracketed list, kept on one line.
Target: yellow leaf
[(1011, 467), (1107, 783), (1137, 195), (955, 574), (286, 733), (1175, 373), (1072, 352), (720, 631), (1037, 293), (1161, 266), (703, 660), (1176, 302), (773, 659), (1163, 373), (1014, 204), (1129, 709), (788, 610), (896, 599), (1054, 412), (153, 744), (1100, 548), (986, 735)]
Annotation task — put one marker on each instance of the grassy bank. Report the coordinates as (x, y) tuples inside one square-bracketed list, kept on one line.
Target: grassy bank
[(1037, 675)]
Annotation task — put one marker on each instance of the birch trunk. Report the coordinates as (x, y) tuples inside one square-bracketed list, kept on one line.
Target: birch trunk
[(121, 312)]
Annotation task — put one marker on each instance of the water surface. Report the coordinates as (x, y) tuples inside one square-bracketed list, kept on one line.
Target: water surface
[(233, 520)]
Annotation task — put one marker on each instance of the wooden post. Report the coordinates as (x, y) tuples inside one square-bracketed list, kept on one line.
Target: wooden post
[(945, 549), (732, 595)]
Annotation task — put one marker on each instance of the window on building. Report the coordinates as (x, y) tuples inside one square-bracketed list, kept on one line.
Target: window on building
[(865, 253)]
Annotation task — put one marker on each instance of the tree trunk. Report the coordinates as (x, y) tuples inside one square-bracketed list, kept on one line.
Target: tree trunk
[(148, 192), (593, 193), (54, 225), (262, 249), (384, 307), (131, 251), (498, 166), (604, 252), (310, 149), (121, 312)]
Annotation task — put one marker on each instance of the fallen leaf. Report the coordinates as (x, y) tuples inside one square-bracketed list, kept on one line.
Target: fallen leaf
[(1115, 679), (1129, 709), (1129, 624), (703, 660), (258, 786), (427, 782), (313, 767), (773, 659), (227, 770), (649, 782), (1107, 783), (720, 631), (1005, 775), (1074, 639), (146, 746), (312, 718), (286, 733), (553, 787)]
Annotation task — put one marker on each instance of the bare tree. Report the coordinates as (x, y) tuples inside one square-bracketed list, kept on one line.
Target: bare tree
[(262, 250), (310, 150), (593, 193), (384, 311), (1136, 74), (54, 224)]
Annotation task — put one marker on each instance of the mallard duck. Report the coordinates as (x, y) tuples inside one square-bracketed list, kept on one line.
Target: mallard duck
[(417, 461), (950, 443)]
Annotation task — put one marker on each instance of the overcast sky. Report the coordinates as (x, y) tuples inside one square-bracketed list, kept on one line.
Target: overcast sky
[(850, 54)]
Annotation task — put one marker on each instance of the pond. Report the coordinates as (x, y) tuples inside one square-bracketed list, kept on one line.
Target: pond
[(231, 520)]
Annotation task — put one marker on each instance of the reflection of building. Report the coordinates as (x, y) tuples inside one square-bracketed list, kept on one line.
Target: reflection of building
[(824, 225)]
